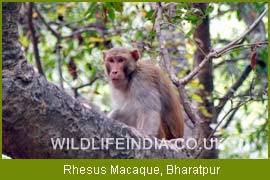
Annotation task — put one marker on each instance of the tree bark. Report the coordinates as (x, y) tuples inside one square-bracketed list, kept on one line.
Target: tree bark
[(205, 76), (34, 111)]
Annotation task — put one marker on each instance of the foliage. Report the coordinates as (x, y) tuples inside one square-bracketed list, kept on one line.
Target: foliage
[(88, 28)]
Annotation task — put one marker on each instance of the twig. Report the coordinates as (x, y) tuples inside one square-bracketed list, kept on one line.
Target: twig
[(87, 84), (54, 32), (231, 91), (233, 60), (34, 38), (59, 61), (58, 47), (84, 85), (74, 22), (231, 116), (221, 13), (179, 28), (195, 71), (81, 30), (219, 123), (217, 53), (249, 29), (193, 116), (162, 42), (243, 45)]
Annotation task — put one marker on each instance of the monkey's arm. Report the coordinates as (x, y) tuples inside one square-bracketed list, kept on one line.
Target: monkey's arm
[(149, 109), (149, 122)]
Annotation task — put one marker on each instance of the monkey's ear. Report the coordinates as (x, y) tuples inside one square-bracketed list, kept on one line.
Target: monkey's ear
[(135, 54), (104, 53)]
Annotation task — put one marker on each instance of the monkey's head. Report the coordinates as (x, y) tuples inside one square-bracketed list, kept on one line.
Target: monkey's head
[(120, 62)]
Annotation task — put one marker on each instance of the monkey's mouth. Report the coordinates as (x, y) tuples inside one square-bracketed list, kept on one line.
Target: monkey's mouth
[(116, 80)]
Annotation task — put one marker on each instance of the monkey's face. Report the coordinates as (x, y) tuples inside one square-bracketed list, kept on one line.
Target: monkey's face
[(115, 67), (120, 63)]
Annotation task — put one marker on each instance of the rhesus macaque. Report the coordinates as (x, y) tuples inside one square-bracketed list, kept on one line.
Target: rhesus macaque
[(142, 95)]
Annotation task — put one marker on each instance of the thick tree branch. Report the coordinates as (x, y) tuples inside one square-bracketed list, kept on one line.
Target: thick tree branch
[(162, 43), (34, 38), (166, 58), (193, 116)]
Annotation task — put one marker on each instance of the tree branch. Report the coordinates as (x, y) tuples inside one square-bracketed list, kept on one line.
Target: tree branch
[(54, 32), (59, 61), (162, 42), (181, 30), (58, 47), (81, 30), (233, 60), (218, 124), (166, 58), (84, 85), (231, 91), (231, 116), (34, 38), (34, 111), (217, 53), (244, 34), (244, 45)]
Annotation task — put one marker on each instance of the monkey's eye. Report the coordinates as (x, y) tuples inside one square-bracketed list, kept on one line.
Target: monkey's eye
[(120, 60), (110, 60)]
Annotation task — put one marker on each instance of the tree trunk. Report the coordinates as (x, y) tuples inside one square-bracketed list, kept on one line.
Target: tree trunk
[(34, 111), (205, 76)]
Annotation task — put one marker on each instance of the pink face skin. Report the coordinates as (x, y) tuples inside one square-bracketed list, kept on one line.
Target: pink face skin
[(119, 63), (115, 67)]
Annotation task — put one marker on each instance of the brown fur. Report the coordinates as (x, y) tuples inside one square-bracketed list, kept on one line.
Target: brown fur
[(146, 99)]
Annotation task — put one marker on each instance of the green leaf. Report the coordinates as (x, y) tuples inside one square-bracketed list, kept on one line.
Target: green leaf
[(149, 14), (118, 6), (208, 10), (108, 5), (239, 127), (195, 83), (139, 34), (91, 10), (192, 18), (111, 13), (183, 5), (238, 14), (197, 98), (205, 112), (24, 41), (117, 38), (251, 137), (151, 34), (190, 32)]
